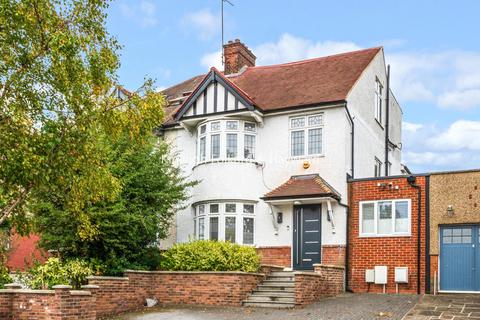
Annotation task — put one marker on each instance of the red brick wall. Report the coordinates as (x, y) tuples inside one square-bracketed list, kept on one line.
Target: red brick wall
[(433, 270), (333, 255), (365, 253), (325, 282), (61, 304), (23, 252), (279, 256), (116, 295)]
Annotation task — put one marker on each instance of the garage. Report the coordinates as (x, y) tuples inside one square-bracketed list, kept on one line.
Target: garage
[(460, 258)]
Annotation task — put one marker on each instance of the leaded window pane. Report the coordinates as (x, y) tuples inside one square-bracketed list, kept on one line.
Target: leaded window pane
[(249, 147), (297, 123), (230, 229), (230, 207), (201, 228), (215, 146), (202, 148), (203, 129), (315, 141), (250, 127), (248, 208), (248, 230), (232, 125), (214, 208), (298, 143), (315, 120), (231, 145), (201, 209), (214, 228), (215, 126)]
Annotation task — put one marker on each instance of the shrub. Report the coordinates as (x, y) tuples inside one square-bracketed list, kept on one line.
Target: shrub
[(205, 255), (55, 272), (4, 276)]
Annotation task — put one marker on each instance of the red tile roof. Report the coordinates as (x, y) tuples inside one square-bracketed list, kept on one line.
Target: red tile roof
[(295, 84), (305, 186)]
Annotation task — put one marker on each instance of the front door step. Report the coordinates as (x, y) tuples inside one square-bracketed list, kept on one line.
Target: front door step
[(276, 291)]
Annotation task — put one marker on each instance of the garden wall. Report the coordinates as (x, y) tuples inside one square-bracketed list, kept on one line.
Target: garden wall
[(326, 281), (116, 295), (59, 304)]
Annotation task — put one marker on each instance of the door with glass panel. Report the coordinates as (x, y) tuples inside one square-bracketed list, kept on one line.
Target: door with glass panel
[(306, 236), (459, 258)]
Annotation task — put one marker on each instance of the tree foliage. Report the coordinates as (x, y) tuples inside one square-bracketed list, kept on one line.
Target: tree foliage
[(128, 228), (58, 66)]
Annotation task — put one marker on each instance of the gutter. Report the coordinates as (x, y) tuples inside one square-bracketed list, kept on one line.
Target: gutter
[(411, 180), (387, 120)]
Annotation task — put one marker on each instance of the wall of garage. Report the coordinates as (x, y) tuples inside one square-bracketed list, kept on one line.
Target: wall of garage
[(460, 191)]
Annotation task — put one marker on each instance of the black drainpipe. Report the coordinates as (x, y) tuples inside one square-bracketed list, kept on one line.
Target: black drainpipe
[(411, 180), (387, 121), (427, 234), (352, 147)]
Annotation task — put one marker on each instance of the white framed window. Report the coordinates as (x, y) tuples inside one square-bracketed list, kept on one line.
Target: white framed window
[(225, 140), (306, 135), (377, 168), (378, 100), (225, 221), (385, 218)]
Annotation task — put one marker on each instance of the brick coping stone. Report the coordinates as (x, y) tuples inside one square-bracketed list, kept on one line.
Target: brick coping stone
[(27, 291), (307, 273), (107, 278), (193, 272), (272, 266)]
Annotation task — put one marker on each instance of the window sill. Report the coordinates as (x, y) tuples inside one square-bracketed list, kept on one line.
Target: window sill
[(313, 156), (252, 161), (399, 235)]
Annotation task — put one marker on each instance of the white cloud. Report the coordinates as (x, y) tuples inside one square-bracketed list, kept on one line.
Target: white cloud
[(432, 159), (142, 12), (460, 99), (411, 127), (203, 22), (213, 59), (461, 135)]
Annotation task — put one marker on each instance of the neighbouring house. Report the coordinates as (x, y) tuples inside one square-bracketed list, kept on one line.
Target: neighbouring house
[(23, 252), (274, 146)]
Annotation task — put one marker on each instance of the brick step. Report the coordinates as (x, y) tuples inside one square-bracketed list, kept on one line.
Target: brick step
[(290, 294), (282, 274), (281, 278), (263, 287), (271, 304), (270, 298)]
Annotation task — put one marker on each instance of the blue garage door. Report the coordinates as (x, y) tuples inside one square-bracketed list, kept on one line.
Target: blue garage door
[(460, 258)]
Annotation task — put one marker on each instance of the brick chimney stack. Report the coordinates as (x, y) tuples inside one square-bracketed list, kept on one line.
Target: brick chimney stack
[(237, 55)]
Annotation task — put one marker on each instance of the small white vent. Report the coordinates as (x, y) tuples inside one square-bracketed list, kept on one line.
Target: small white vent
[(401, 274)]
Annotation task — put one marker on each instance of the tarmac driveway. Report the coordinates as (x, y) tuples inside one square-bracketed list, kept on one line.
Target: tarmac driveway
[(343, 307)]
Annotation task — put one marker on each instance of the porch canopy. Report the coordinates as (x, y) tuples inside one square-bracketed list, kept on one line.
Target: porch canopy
[(303, 189)]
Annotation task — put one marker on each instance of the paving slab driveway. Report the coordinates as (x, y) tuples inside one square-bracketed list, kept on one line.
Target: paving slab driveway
[(446, 307), (343, 307)]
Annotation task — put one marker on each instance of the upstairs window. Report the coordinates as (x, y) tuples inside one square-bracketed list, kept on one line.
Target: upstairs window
[(377, 169), (378, 101), (225, 139), (306, 135), (385, 218)]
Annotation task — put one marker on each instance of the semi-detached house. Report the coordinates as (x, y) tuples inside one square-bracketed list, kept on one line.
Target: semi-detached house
[(274, 146)]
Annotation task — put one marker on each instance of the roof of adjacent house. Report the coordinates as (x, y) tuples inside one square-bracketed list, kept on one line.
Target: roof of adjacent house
[(303, 186), (296, 84)]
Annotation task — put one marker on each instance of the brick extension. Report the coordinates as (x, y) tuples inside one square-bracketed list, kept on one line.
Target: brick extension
[(395, 251)]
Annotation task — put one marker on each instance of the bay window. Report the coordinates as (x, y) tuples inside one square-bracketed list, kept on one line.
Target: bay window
[(225, 221), (306, 135), (225, 139), (385, 218)]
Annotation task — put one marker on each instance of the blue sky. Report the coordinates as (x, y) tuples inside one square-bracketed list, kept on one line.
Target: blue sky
[(433, 48)]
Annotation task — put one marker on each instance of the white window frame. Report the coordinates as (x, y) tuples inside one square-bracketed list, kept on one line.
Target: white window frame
[(378, 100), (376, 217), (305, 128), (377, 169), (222, 131), (221, 215)]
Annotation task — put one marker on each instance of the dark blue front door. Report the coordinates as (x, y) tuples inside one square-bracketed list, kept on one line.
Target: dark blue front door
[(307, 226), (460, 258)]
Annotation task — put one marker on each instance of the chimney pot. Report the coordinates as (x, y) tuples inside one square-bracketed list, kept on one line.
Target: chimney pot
[(237, 55)]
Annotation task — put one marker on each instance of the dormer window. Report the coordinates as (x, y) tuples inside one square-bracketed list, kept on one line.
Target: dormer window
[(225, 139), (378, 101)]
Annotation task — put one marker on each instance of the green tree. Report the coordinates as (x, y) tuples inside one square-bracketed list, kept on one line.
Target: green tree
[(58, 66), (128, 228)]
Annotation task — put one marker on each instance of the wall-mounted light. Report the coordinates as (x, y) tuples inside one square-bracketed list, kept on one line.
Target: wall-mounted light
[(297, 203), (450, 211), (306, 165), (279, 217)]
